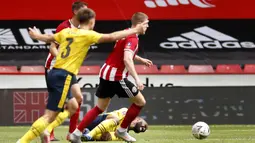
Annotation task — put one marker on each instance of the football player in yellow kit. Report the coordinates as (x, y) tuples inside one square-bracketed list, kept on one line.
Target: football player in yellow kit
[(105, 125)]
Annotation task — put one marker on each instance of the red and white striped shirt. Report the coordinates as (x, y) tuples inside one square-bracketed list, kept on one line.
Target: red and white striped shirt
[(50, 61), (114, 68)]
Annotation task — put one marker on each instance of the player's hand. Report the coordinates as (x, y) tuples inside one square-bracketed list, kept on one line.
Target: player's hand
[(142, 27), (139, 84), (33, 32), (147, 62)]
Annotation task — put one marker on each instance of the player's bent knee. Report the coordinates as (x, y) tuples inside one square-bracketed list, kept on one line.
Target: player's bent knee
[(144, 103), (76, 92), (103, 103), (79, 98), (72, 106), (102, 107), (139, 100), (141, 103)]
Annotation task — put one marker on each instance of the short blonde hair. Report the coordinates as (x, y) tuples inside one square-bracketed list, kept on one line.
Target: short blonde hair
[(85, 14), (138, 17)]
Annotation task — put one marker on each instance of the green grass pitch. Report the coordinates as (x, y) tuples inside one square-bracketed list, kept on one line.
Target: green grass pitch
[(157, 134)]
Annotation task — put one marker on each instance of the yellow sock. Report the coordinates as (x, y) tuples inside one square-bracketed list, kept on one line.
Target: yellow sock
[(58, 121), (105, 126), (37, 128)]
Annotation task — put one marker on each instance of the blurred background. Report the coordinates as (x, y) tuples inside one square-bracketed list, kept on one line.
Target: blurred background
[(203, 54)]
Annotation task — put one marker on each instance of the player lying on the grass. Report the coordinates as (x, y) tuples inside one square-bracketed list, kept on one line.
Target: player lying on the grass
[(74, 45), (104, 126)]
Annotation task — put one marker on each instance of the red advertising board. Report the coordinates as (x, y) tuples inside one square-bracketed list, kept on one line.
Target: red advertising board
[(123, 9), (28, 105)]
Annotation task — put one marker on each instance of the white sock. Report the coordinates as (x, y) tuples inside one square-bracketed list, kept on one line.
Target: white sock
[(122, 129), (77, 132)]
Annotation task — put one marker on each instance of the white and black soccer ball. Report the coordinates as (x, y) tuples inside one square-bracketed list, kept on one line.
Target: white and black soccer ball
[(200, 130)]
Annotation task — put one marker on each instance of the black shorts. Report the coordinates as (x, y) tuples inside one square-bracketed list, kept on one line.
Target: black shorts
[(123, 88), (59, 85)]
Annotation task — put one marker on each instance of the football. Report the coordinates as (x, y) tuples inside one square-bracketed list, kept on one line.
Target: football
[(200, 130)]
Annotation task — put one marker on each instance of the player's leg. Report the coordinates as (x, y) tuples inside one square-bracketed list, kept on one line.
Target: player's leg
[(104, 93), (52, 136), (91, 115), (60, 82), (105, 126), (76, 92), (130, 90), (132, 113), (72, 105), (100, 118), (58, 121), (62, 116), (134, 110), (39, 126)]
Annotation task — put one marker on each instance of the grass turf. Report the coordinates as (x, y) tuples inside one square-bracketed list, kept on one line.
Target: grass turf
[(157, 134)]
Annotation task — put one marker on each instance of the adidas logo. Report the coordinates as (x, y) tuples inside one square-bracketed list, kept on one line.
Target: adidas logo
[(7, 37), (205, 37), (165, 3)]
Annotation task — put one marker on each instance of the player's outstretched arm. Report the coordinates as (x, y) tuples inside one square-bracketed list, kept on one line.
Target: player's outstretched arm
[(139, 29), (38, 36), (147, 62)]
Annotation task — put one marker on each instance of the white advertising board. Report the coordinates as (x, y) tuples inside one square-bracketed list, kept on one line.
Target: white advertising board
[(38, 81)]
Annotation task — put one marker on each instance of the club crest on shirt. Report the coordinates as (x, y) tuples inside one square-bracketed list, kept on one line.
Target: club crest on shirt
[(134, 89), (128, 45)]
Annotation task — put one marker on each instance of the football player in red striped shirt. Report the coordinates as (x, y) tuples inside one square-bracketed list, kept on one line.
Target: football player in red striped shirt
[(76, 92), (113, 80)]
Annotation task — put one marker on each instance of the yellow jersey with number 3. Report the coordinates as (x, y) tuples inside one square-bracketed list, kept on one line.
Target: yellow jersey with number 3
[(73, 47)]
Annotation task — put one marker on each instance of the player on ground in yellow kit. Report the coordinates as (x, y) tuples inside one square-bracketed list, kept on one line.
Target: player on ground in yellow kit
[(73, 47), (105, 125)]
